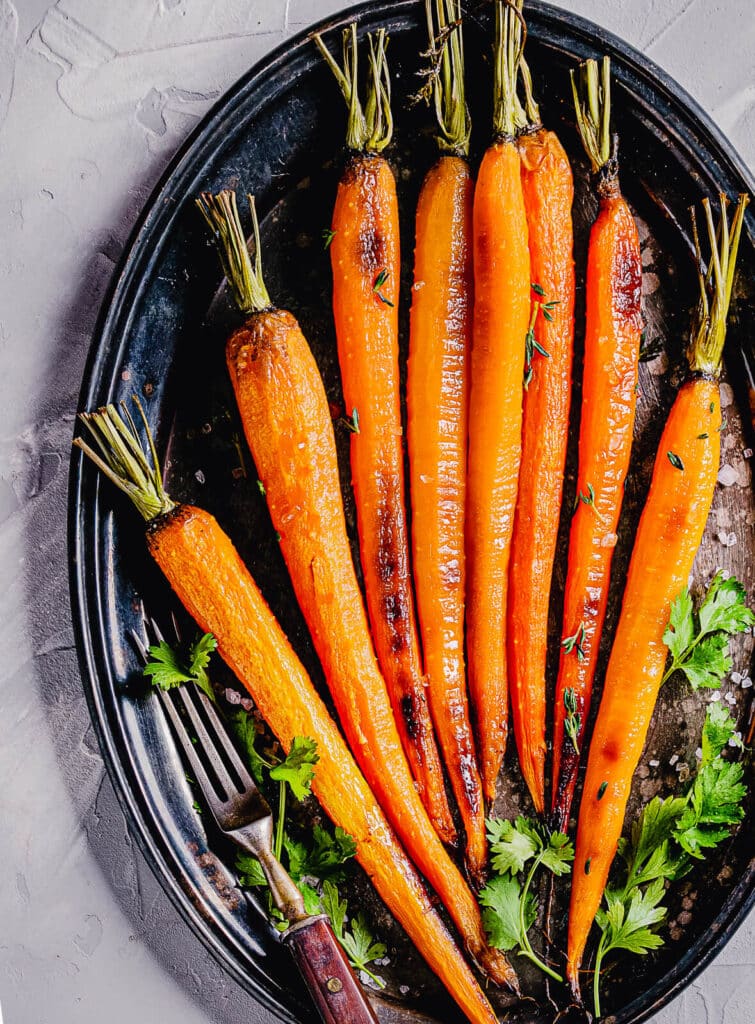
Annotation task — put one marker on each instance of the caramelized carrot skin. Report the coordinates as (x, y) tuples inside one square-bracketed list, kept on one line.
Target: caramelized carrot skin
[(366, 263), (669, 534), (548, 194), (287, 421), (609, 397), (437, 404), (214, 586), (501, 317)]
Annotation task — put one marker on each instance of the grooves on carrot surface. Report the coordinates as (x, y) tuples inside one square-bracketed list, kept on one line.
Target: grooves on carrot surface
[(205, 571), (501, 317), (287, 422), (613, 331), (668, 536), (437, 407), (548, 194), (366, 264)]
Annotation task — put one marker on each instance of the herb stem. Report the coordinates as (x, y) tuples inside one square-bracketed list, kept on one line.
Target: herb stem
[(602, 949), (278, 844), (527, 949)]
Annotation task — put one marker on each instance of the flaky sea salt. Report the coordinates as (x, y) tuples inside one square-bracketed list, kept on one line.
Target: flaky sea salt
[(730, 698), (727, 475), (673, 759), (746, 683), (736, 677)]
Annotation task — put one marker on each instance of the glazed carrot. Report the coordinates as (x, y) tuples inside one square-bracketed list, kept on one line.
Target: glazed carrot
[(287, 423), (501, 315), (548, 193), (366, 270), (609, 396), (437, 384), (668, 536), (204, 569)]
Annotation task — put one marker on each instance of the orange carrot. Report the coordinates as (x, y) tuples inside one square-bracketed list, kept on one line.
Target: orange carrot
[(669, 534), (609, 396), (204, 569), (366, 270), (287, 423), (501, 316), (548, 194), (439, 343)]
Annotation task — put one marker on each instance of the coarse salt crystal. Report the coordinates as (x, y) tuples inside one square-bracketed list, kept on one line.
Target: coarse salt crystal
[(736, 677), (746, 683), (727, 476), (680, 767), (747, 453), (232, 696), (199, 476), (727, 539), (730, 698), (673, 759), (715, 697), (699, 753), (654, 763)]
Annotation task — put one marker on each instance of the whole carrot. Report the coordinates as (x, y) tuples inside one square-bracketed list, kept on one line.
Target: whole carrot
[(366, 270), (668, 536), (204, 569), (286, 418), (548, 193), (609, 396), (437, 399), (501, 315)]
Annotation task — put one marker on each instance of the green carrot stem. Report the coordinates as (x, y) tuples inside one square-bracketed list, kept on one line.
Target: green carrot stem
[(444, 25), (510, 35), (591, 88), (708, 336), (244, 276), (124, 459), (370, 127)]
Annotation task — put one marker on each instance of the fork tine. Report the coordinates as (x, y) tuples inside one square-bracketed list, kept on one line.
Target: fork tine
[(183, 738), (225, 741), (208, 745)]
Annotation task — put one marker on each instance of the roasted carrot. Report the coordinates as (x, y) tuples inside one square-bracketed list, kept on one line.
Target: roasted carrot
[(437, 398), (548, 193), (204, 569), (366, 270), (609, 396), (668, 536), (287, 423), (501, 315)]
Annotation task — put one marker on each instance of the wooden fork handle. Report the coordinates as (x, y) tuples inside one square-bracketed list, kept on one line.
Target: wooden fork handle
[(327, 973)]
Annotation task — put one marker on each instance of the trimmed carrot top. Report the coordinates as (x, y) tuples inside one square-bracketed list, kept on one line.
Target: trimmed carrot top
[(369, 128), (244, 276), (709, 330), (591, 88), (445, 82)]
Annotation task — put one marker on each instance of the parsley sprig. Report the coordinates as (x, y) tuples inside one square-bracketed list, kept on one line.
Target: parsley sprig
[(699, 641), (517, 850), (358, 943), (169, 667)]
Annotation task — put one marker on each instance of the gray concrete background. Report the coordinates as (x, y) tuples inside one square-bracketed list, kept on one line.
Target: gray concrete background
[(95, 97)]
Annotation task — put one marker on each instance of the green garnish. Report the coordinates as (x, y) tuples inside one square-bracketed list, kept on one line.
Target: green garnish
[(169, 667), (573, 720), (675, 461), (509, 906), (699, 641), (358, 944), (379, 282), (327, 237), (575, 643)]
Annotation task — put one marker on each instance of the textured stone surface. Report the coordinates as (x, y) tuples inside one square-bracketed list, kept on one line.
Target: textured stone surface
[(94, 99)]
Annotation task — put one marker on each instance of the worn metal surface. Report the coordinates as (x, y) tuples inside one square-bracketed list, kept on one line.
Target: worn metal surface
[(112, 89)]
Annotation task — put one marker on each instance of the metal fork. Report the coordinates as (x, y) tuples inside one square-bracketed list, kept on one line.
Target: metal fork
[(244, 816)]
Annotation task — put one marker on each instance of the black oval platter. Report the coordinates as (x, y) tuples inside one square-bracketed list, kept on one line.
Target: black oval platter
[(278, 133)]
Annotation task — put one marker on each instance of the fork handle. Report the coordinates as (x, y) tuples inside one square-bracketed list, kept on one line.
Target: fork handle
[(327, 973)]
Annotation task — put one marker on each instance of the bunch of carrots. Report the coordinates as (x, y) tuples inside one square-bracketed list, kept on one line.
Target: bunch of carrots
[(452, 627)]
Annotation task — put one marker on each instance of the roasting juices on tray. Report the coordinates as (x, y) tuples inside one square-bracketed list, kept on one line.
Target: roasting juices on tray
[(437, 407), (204, 569), (668, 536), (366, 260), (548, 192), (287, 423), (501, 317), (613, 329)]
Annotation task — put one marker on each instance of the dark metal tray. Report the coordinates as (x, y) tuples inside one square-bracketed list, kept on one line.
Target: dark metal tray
[(278, 133)]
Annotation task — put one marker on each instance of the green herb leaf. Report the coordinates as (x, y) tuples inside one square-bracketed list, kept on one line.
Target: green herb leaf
[(512, 844), (249, 871), (538, 290), (168, 668), (245, 728), (558, 854), (327, 237), (675, 461), (380, 280), (298, 769), (358, 944), (502, 902)]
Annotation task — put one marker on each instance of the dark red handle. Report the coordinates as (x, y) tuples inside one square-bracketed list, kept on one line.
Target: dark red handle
[(328, 975)]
